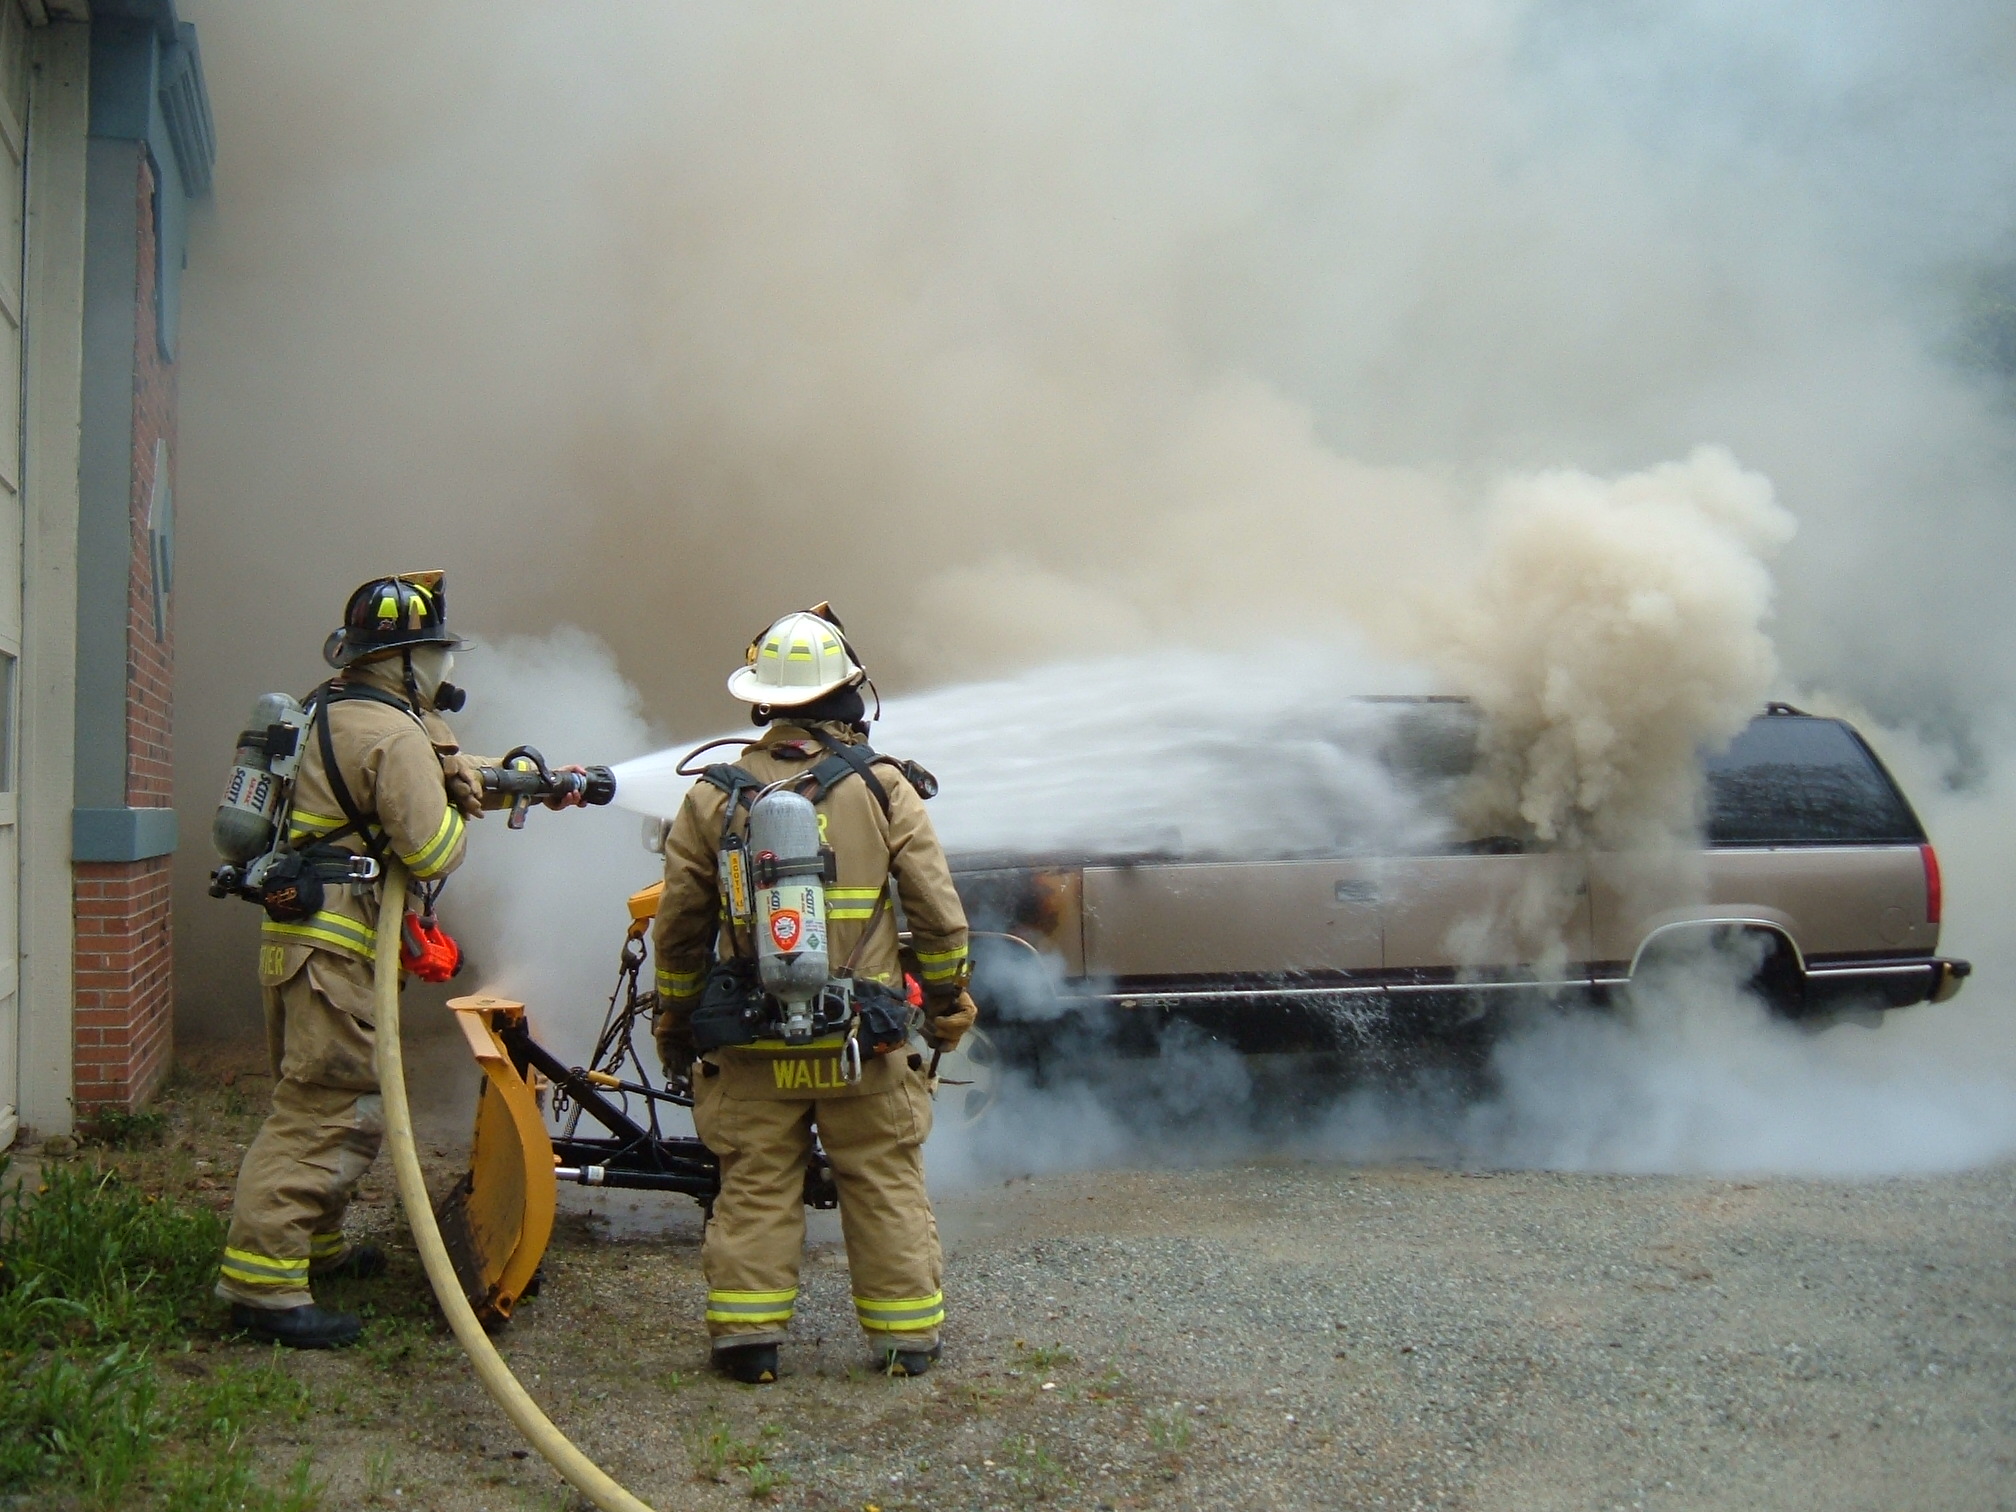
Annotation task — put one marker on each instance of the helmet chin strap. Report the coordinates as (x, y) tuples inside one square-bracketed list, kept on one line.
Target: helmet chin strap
[(412, 682)]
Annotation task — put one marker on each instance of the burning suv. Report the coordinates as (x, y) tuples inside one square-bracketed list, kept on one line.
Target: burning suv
[(1813, 864)]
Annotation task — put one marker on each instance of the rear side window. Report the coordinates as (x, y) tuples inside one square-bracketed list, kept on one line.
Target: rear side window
[(1789, 779)]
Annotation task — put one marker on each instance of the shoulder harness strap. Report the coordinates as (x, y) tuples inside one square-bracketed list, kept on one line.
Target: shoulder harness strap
[(846, 761), (731, 779), (735, 781), (357, 823)]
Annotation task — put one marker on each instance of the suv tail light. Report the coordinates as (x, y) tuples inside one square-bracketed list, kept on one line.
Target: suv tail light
[(1935, 892)]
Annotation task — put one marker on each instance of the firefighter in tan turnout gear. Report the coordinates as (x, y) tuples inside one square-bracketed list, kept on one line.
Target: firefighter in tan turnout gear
[(379, 774), (833, 1053)]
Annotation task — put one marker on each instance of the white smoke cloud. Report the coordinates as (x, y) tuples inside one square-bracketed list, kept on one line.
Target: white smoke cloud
[(541, 911)]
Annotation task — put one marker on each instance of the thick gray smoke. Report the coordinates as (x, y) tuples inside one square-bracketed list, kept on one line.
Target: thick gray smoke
[(1025, 332), (1031, 334)]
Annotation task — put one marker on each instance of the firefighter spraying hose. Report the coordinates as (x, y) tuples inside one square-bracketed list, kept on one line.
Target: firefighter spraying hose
[(356, 796)]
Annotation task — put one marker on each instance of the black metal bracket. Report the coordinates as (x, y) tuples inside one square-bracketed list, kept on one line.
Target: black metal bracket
[(633, 1157)]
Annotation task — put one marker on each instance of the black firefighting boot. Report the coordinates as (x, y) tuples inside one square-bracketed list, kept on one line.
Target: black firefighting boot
[(308, 1327), (906, 1362), (361, 1262), (751, 1364)]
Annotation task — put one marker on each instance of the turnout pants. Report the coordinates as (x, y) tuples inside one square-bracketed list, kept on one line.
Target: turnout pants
[(874, 1135), (322, 1135)]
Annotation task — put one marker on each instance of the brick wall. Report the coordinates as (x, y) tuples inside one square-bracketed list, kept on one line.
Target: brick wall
[(123, 1021), (124, 951)]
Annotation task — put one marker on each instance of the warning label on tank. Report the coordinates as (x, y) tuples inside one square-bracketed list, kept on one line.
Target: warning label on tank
[(785, 927)]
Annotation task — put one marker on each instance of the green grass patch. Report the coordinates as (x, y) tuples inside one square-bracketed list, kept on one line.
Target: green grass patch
[(85, 1256), (1028, 1465), (1039, 1358), (116, 1129), (1170, 1431), (717, 1453), (99, 1283)]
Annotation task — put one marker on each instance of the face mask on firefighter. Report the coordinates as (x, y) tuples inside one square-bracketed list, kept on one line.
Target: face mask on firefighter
[(431, 666)]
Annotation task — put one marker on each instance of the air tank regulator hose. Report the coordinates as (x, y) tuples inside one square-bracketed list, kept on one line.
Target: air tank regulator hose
[(584, 1474)]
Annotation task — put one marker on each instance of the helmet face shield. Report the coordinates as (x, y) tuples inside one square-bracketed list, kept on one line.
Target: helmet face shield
[(798, 660)]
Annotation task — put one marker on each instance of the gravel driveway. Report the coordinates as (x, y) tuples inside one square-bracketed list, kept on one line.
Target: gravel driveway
[(1275, 1334)]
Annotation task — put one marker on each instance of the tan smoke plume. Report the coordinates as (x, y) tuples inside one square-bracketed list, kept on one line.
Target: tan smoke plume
[(1613, 630)]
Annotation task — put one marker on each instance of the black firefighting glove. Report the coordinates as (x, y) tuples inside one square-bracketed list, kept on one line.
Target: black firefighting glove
[(946, 1019), (673, 1030)]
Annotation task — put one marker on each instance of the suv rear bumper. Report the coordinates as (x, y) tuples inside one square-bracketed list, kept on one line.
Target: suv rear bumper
[(1897, 983)]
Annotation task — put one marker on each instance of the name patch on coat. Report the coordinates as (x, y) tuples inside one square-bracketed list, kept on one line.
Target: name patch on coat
[(811, 1073)]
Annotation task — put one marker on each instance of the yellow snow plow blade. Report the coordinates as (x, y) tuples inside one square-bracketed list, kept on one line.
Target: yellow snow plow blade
[(497, 1220)]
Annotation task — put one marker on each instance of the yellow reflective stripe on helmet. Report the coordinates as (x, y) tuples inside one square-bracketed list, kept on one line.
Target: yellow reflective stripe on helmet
[(426, 862), (679, 983), (264, 1270), (902, 1314), (750, 1306), (332, 930)]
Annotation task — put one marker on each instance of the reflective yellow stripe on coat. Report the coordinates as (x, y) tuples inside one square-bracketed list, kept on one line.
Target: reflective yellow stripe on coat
[(680, 984), (427, 862), (851, 902), (326, 930), (941, 965), (302, 826)]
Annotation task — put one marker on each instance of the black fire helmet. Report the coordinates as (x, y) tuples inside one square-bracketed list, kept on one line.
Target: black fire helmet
[(392, 613)]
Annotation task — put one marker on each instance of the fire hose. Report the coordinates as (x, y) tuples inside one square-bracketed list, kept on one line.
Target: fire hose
[(584, 1474)]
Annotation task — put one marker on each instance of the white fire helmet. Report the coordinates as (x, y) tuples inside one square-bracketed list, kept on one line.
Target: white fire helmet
[(800, 658)]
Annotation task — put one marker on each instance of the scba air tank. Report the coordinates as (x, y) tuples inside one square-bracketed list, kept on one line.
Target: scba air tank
[(253, 793), (791, 872)]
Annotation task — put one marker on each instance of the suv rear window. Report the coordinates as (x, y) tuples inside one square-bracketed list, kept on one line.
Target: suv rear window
[(1793, 779)]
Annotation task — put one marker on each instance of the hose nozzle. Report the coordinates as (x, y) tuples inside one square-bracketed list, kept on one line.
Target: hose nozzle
[(525, 778)]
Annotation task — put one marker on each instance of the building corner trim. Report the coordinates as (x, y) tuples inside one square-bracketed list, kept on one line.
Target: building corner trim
[(53, 367)]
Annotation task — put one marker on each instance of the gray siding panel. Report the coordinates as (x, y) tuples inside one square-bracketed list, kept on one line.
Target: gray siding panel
[(105, 470)]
